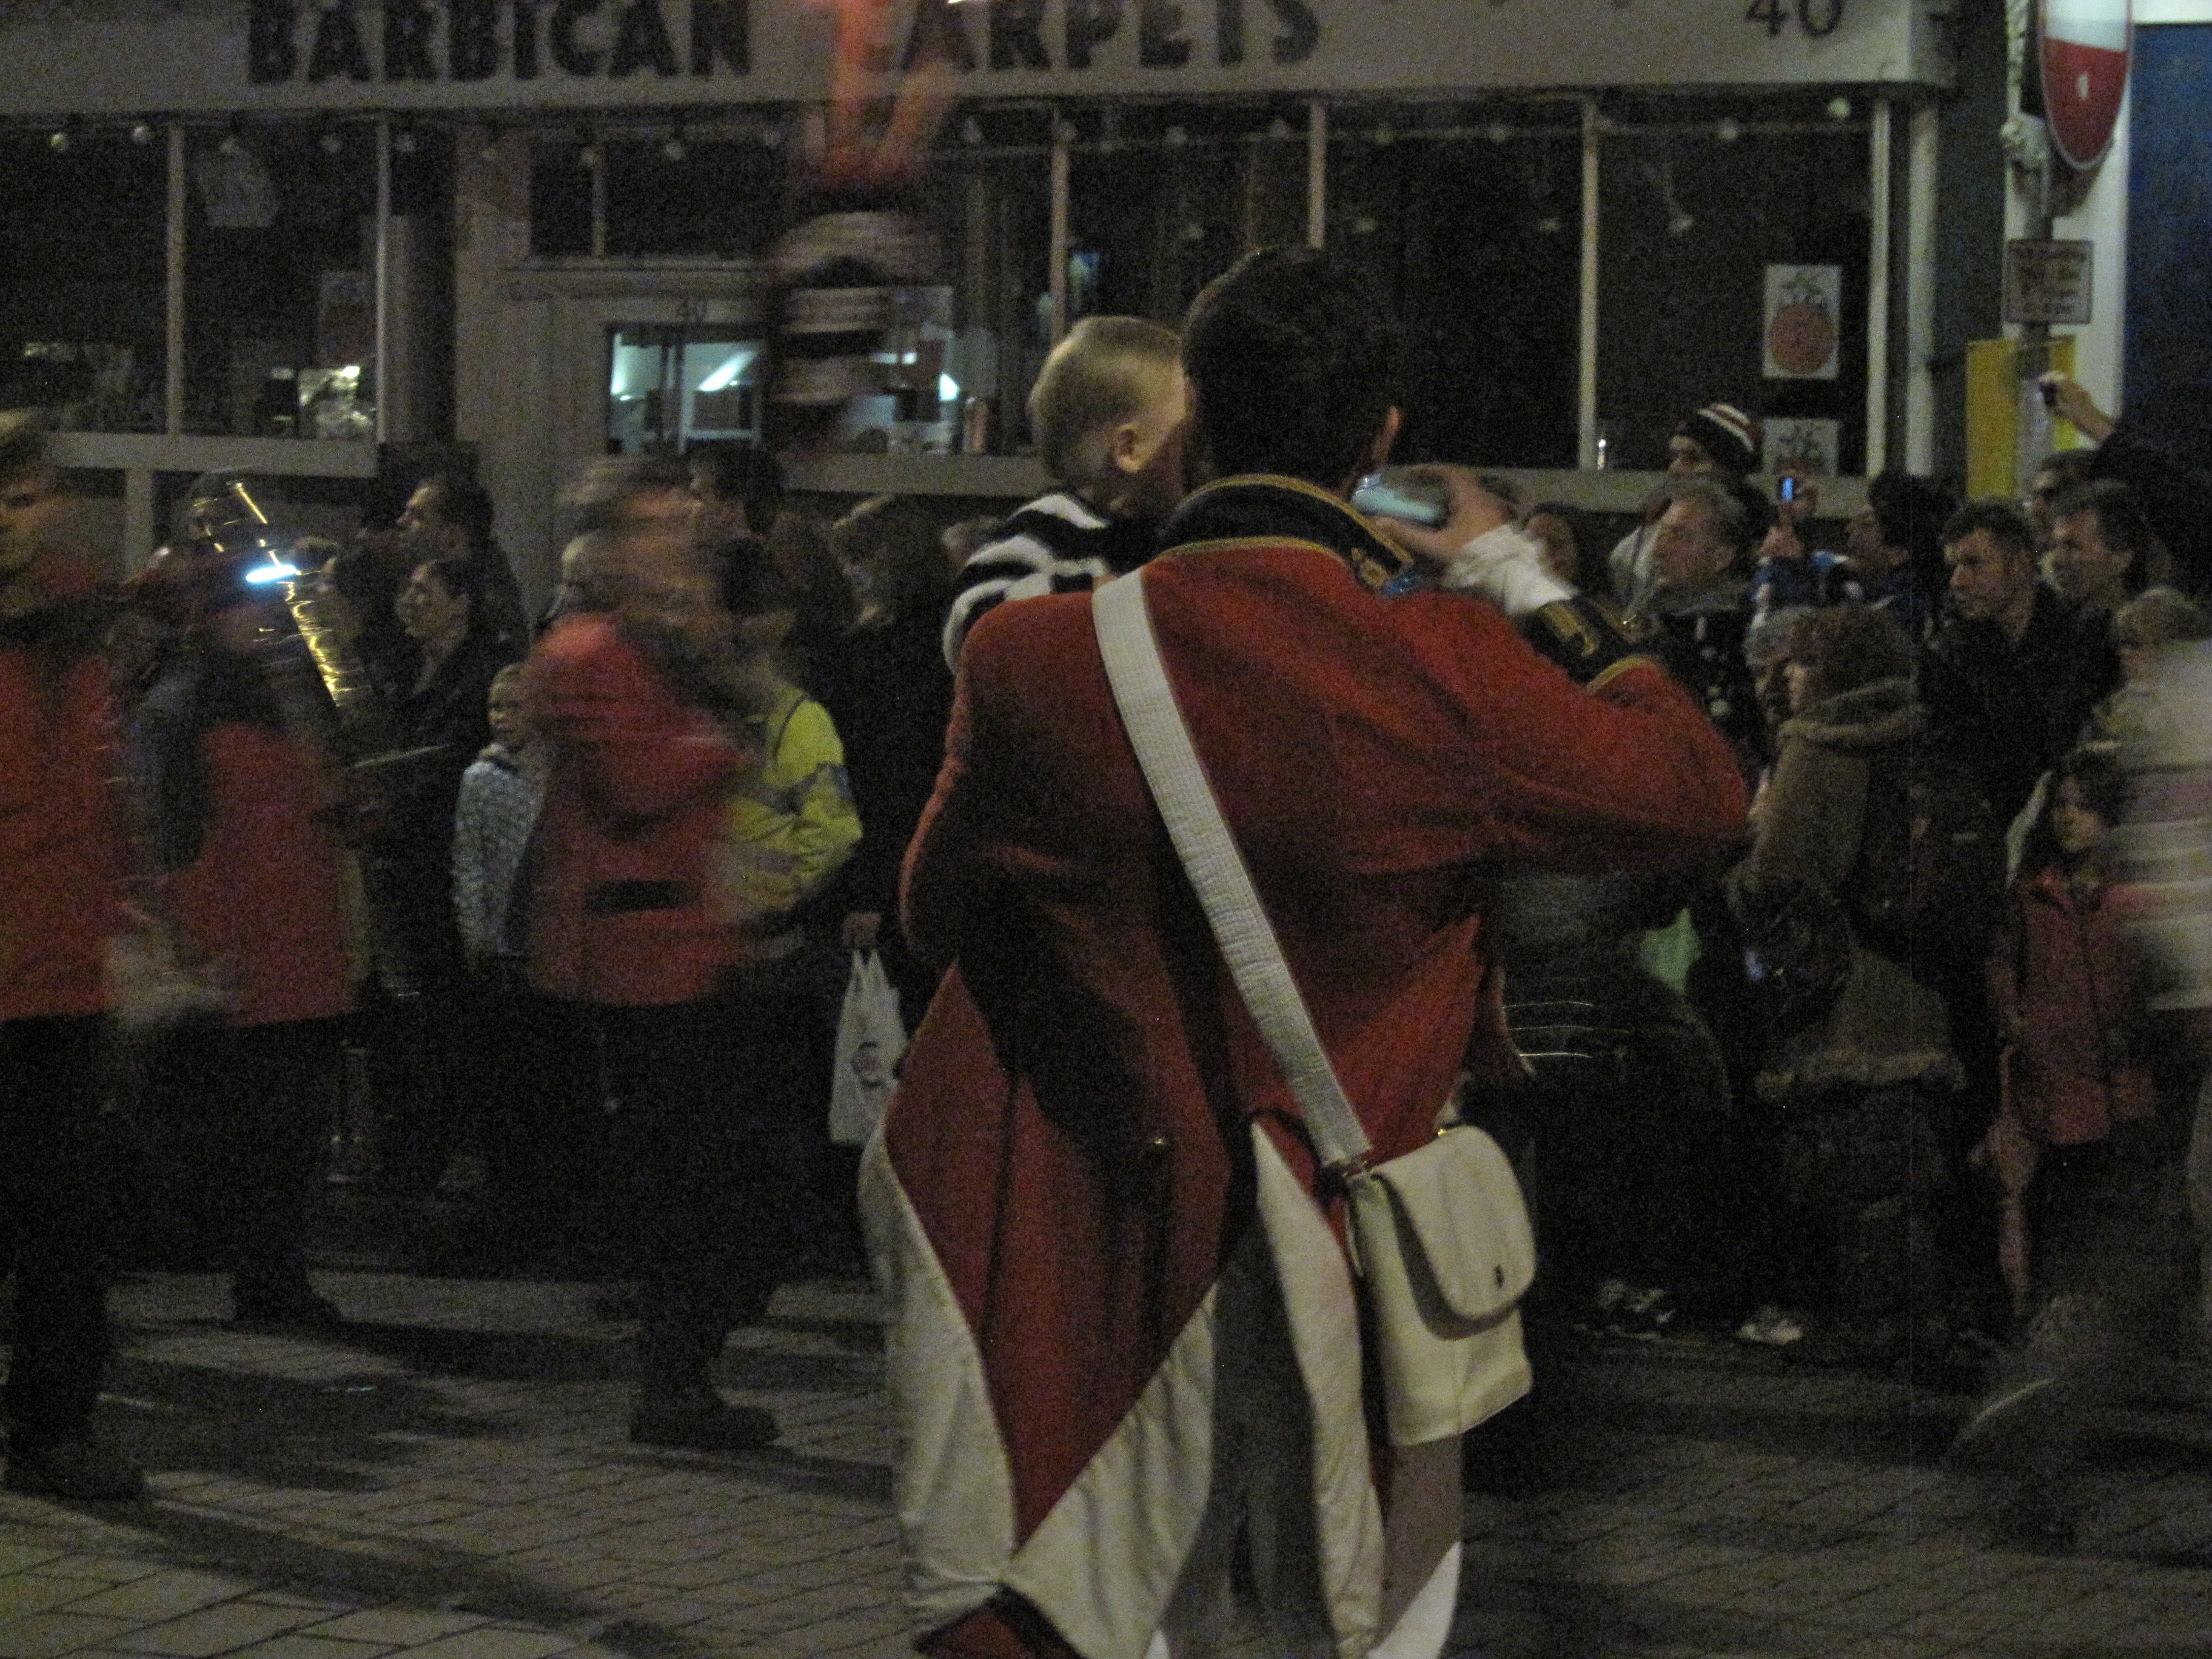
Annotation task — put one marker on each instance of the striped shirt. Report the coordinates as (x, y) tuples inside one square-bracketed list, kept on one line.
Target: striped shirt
[(1056, 545)]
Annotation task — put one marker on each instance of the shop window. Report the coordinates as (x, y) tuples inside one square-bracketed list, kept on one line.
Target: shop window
[(1469, 220), (989, 197), (670, 387), (672, 196), (83, 311), (1164, 198), (560, 191), (280, 284), (1729, 229)]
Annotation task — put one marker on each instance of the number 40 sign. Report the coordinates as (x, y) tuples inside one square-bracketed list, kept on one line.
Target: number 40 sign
[(1816, 18)]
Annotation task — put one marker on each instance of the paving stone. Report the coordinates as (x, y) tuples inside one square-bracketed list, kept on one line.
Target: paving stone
[(397, 1627), (164, 1594), (495, 1641), (220, 1629), (48, 1635), (314, 1647), (34, 1592)]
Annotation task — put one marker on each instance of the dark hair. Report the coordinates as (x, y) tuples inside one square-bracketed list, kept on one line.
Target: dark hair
[(1845, 646), (896, 538), (2007, 526), (2122, 524), (1292, 356), (2098, 778), (466, 504), (2068, 468), (465, 578), (741, 472)]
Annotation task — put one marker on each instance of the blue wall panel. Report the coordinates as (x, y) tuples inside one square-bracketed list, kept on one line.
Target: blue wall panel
[(2169, 319)]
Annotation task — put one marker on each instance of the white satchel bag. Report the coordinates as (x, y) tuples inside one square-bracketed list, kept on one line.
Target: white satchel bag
[(1441, 1239)]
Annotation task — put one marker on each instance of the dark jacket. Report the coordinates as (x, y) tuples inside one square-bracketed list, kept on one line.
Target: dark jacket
[(1700, 639), (2010, 711)]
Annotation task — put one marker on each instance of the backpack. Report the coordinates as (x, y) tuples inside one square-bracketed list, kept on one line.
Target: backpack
[(1930, 871)]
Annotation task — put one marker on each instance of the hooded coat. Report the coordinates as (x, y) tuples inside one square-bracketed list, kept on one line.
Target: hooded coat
[(1886, 1027)]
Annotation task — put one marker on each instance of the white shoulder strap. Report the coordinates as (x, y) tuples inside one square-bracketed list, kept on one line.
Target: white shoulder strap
[(1217, 869)]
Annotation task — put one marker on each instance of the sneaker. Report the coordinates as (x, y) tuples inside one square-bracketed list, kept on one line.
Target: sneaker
[(1643, 1315), (80, 1471), (688, 1425), (295, 1311), (1771, 1326)]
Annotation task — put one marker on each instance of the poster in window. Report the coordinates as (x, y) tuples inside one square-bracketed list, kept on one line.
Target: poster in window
[(1806, 448), (1803, 303)]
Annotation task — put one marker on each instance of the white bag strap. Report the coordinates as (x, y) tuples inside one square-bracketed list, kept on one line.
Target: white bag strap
[(1217, 869)]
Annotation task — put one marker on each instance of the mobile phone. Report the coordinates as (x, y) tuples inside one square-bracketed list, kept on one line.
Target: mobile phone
[(1787, 489), (1394, 496)]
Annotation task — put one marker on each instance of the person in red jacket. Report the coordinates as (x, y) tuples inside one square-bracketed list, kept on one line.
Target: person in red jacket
[(61, 865), (244, 805), (1123, 1344), (641, 693)]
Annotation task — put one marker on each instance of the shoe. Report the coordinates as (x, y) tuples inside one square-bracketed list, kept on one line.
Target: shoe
[(297, 1310), (1641, 1316), (1770, 1327), (2011, 1423), (691, 1425), (80, 1471)]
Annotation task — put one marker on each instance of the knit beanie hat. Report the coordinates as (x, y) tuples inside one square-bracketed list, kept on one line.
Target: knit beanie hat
[(1727, 434)]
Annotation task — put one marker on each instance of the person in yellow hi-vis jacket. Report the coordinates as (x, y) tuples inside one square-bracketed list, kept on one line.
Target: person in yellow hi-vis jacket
[(790, 827)]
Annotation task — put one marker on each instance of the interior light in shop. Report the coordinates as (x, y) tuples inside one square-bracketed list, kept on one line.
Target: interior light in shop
[(331, 143), (1550, 225), (1681, 225), (141, 132), (948, 389), (725, 374), (971, 131), (673, 149), (231, 144), (1839, 109), (1386, 134), (1728, 129), (1175, 137), (1278, 128), (404, 142), (1499, 132), (58, 141)]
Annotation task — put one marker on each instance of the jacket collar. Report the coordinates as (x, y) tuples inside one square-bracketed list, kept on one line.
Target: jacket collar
[(1270, 509)]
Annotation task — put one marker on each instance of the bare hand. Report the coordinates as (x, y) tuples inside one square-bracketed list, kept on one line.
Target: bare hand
[(1782, 542), (1474, 510), (2073, 405)]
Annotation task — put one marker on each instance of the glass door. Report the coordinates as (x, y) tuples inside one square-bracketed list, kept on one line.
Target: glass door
[(669, 386)]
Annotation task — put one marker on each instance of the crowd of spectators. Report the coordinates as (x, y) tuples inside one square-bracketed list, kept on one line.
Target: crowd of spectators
[(584, 896)]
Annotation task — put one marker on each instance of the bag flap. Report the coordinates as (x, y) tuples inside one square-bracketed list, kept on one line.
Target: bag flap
[(1457, 1196)]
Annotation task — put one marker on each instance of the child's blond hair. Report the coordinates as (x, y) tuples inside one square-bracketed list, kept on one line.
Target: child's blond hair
[(1107, 371)]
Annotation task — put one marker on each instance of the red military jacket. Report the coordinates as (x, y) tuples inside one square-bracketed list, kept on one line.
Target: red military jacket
[(61, 858), (1070, 1136)]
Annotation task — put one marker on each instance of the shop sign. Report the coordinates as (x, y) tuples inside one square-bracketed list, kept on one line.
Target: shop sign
[(225, 55), (2085, 50), (2047, 282), (1804, 304)]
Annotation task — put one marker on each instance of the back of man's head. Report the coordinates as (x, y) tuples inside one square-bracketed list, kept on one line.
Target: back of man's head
[(1292, 358), (615, 490), (2122, 524), (1109, 371)]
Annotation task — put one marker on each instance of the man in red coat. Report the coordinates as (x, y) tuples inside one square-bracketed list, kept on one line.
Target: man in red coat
[(60, 868), (1124, 1330)]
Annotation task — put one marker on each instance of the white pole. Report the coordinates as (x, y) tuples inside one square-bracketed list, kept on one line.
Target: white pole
[(1586, 415), (383, 275), (173, 330), (1924, 150), (1058, 241), (1316, 173), (1878, 262)]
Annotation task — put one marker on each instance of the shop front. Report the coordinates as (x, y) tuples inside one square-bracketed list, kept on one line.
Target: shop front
[(326, 241)]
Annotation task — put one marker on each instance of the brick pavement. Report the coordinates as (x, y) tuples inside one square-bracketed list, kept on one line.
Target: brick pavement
[(449, 1480)]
